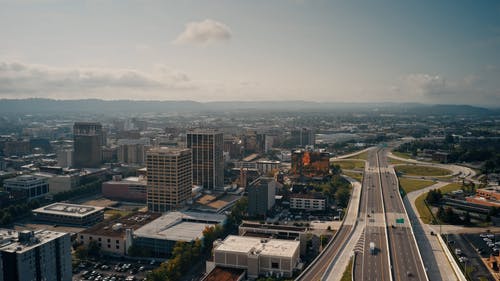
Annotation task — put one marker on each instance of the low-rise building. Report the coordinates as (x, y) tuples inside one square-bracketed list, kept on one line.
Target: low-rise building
[(160, 235), (40, 255), (32, 186), (115, 237), (314, 201), (128, 189), (70, 214), (287, 232), (258, 256)]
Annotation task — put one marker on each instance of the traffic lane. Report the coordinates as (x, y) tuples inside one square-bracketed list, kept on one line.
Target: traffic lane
[(404, 255), (375, 266), (319, 268)]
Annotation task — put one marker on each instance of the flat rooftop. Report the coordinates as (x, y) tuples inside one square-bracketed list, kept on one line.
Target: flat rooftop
[(267, 247), (129, 180), (71, 210), (9, 240), (179, 226), (116, 228)]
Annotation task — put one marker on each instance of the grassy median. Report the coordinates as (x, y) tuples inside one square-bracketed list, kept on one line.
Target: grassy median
[(350, 164), (356, 176), (347, 276), (422, 209), (410, 185), (416, 170)]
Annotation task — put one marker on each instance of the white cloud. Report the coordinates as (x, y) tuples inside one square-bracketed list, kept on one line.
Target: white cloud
[(480, 89), (28, 80), (204, 32)]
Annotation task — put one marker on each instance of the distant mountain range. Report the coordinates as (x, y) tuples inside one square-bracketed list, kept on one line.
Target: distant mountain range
[(37, 106)]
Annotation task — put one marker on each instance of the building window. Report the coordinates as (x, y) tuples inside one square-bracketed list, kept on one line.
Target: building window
[(117, 241), (275, 265), (118, 246), (109, 246), (99, 239), (109, 240)]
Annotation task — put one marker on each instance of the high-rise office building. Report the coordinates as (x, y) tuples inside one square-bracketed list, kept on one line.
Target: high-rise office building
[(208, 159), (88, 140), (261, 194), (302, 137), (40, 255), (169, 178)]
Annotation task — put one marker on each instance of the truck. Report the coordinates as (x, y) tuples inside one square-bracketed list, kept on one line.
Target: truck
[(373, 250)]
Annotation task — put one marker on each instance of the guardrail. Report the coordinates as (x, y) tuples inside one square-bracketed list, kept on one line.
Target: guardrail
[(456, 268), (353, 264)]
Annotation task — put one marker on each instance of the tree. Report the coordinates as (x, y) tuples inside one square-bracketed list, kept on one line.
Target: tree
[(342, 197), (94, 249), (81, 252)]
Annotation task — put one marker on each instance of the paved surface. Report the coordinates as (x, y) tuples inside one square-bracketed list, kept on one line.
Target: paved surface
[(405, 257), (370, 228), (318, 268), (435, 260)]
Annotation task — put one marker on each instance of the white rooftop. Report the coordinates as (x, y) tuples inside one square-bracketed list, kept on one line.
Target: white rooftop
[(259, 246), (66, 209), (9, 241), (179, 226)]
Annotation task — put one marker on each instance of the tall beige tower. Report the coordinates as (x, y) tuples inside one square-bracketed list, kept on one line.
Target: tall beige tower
[(169, 178)]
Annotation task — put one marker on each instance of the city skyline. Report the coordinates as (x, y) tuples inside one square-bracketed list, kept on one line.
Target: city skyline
[(324, 51)]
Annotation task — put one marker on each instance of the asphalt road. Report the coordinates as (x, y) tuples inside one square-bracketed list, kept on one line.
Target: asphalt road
[(372, 266), (316, 270), (405, 259)]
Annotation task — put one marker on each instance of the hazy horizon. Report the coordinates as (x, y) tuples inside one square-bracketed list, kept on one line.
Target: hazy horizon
[(320, 51)]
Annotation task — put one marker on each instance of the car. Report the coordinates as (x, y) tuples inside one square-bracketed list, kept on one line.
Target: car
[(432, 233), (152, 262), (409, 274), (482, 235)]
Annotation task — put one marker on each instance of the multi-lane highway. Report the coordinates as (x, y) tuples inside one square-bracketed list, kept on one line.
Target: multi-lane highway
[(405, 257), (372, 265)]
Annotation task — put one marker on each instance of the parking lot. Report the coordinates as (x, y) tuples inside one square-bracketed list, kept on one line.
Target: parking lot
[(113, 271), (470, 249)]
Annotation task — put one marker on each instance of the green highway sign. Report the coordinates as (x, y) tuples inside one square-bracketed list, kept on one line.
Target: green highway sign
[(401, 220)]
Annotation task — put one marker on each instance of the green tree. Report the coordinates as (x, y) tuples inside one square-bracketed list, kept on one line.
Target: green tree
[(342, 197), (94, 249), (81, 252)]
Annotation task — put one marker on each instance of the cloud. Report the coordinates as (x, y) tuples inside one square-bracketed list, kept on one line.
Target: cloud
[(482, 88), (28, 80), (203, 32)]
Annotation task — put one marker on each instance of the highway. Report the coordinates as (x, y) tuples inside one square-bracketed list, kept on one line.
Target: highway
[(316, 269), (405, 257), (372, 266)]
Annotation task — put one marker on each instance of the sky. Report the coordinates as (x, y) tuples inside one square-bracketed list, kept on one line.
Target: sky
[(313, 50)]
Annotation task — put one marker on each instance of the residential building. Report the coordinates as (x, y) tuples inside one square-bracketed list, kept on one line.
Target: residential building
[(314, 201), (69, 214), (261, 194), (31, 186), (132, 151), (88, 140), (208, 158), (169, 178), (40, 255), (258, 256)]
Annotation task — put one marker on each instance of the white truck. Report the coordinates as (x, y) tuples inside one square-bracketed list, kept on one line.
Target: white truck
[(373, 250)]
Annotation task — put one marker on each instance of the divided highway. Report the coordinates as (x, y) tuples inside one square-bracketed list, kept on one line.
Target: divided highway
[(372, 265), (406, 260)]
